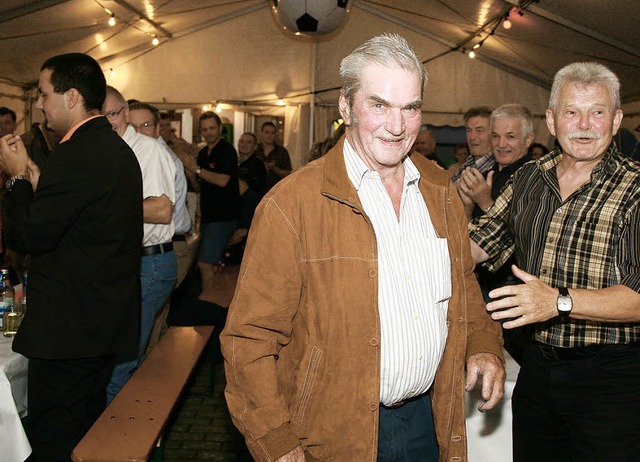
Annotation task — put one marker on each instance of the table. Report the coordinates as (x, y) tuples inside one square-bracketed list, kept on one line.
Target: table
[(13, 403), (489, 433)]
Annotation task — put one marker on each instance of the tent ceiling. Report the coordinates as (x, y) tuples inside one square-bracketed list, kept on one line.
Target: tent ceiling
[(549, 34)]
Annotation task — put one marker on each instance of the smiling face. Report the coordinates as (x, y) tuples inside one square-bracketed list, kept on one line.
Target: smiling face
[(478, 135), (384, 119), (116, 113), (584, 122), (508, 142), (246, 145)]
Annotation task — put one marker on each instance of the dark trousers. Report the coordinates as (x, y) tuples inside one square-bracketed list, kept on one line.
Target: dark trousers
[(407, 433), (578, 410), (65, 398)]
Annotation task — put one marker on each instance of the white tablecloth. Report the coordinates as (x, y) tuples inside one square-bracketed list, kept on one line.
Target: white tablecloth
[(489, 432), (13, 403)]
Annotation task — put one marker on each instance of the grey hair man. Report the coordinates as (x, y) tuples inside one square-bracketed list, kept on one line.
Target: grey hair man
[(349, 305), (572, 220)]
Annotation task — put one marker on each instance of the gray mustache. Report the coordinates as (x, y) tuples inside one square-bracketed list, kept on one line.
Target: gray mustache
[(588, 135)]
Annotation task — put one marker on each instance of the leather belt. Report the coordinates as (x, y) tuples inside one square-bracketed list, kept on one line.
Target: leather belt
[(156, 249), (552, 353)]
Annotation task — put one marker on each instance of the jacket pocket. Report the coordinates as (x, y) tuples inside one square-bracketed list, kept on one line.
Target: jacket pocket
[(307, 387)]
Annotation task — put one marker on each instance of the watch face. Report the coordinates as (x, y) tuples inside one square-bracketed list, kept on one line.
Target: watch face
[(564, 304)]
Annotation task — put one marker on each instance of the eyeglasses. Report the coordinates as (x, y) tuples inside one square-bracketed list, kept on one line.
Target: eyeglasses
[(112, 114), (143, 125)]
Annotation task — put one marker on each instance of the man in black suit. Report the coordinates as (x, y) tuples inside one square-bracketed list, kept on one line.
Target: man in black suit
[(83, 231)]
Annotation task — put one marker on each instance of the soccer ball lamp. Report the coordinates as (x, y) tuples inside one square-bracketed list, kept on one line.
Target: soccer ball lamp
[(310, 17)]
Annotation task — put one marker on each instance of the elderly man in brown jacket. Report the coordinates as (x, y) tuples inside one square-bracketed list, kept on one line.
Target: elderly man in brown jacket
[(357, 307)]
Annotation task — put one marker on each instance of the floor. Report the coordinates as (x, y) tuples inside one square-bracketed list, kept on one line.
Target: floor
[(201, 429)]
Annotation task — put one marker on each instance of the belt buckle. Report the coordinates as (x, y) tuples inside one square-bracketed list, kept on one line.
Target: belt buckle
[(395, 405)]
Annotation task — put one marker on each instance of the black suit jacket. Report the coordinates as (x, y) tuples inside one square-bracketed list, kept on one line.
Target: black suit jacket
[(83, 230)]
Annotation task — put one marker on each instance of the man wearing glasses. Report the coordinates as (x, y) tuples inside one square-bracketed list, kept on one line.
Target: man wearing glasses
[(158, 271)]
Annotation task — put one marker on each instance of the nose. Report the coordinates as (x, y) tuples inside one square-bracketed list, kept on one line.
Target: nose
[(584, 123), (395, 121), (39, 102)]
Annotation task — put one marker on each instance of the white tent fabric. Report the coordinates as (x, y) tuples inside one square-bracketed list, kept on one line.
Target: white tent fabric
[(234, 53)]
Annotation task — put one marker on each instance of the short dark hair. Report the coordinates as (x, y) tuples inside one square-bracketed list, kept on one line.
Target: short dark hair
[(478, 111), (5, 110), (79, 71), (165, 115), (139, 106), (269, 124), (255, 138), (211, 115)]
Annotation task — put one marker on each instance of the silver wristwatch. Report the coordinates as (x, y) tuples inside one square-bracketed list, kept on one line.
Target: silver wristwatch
[(564, 302)]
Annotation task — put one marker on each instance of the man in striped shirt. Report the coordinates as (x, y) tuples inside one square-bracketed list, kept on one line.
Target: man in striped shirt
[(572, 219), (357, 320), (477, 122)]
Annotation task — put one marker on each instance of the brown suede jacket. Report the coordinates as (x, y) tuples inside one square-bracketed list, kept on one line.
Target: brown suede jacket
[(302, 339)]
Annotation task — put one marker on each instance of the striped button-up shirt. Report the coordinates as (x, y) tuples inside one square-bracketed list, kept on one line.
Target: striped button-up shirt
[(483, 164), (414, 281), (591, 240)]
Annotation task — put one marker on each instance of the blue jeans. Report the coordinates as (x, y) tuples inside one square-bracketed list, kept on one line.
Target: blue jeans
[(407, 433), (213, 240), (157, 278)]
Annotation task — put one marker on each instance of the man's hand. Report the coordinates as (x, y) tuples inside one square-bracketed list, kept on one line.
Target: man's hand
[(528, 303), (13, 155), (295, 455), (474, 186), (491, 369)]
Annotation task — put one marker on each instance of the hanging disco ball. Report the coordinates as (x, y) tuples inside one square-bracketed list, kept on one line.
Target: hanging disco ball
[(310, 17)]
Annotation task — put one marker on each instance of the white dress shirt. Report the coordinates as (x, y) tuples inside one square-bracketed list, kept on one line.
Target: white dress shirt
[(181, 218), (414, 281), (158, 173)]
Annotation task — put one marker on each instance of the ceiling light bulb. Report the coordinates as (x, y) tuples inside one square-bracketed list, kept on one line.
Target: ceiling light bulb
[(476, 46), (112, 21), (155, 41), (113, 73), (472, 54), (506, 24)]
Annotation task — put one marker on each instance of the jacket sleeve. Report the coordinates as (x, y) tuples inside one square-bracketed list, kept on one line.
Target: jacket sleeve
[(260, 323)]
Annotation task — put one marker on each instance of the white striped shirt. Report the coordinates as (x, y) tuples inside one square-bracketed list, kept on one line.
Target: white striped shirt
[(414, 281)]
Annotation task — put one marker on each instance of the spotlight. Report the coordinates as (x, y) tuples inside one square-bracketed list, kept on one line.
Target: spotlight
[(112, 21), (472, 54), (155, 41)]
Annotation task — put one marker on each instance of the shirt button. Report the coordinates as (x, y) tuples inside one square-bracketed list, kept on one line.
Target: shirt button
[(551, 240), (373, 273), (374, 406), (558, 210), (374, 342), (420, 358), (544, 271)]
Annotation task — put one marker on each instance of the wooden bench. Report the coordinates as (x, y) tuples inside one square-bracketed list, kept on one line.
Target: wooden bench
[(130, 427)]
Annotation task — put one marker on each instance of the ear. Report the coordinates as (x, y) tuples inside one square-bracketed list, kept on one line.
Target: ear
[(73, 98), (529, 139), (550, 122), (617, 120), (345, 110), (126, 114)]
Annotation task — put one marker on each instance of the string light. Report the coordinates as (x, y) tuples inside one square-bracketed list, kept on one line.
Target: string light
[(506, 23), (112, 20), (113, 73), (472, 54), (155, 41)]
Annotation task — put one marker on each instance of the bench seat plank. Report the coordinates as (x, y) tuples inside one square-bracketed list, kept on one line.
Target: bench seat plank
[(130, 427)]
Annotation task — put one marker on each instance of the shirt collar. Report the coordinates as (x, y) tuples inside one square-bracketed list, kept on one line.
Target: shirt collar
[(357, 169)]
